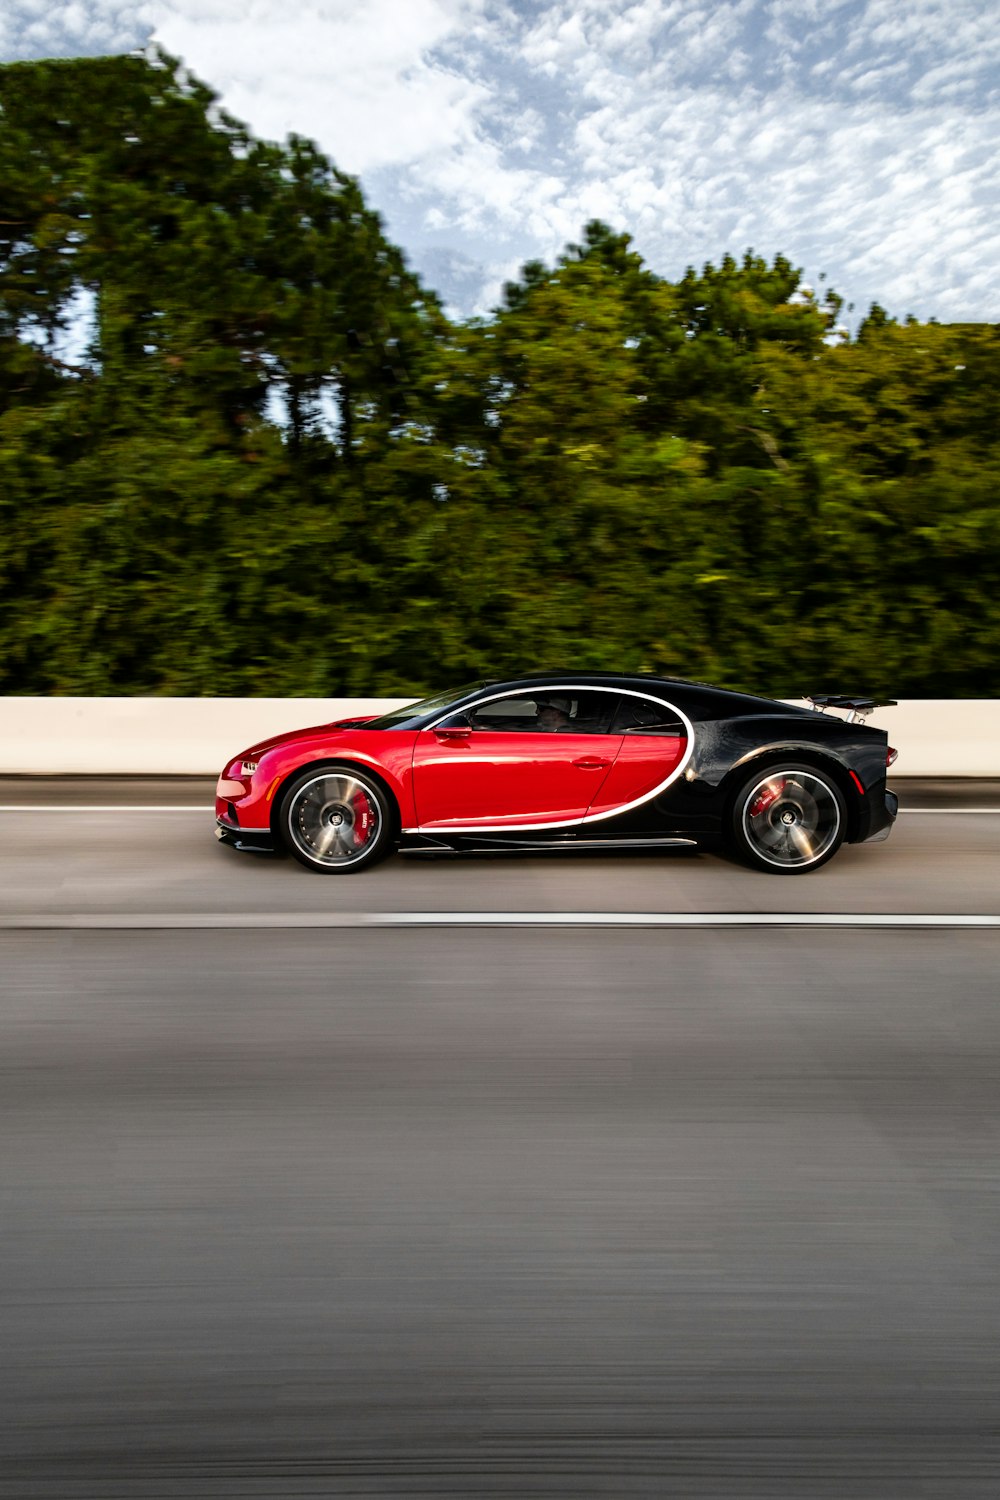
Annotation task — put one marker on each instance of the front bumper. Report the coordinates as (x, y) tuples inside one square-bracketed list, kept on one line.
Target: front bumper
[(256, 840)]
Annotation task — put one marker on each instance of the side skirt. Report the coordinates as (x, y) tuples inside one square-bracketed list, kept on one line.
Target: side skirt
[(470, 843)]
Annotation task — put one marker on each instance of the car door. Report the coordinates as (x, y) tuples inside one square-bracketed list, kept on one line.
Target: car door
[(533, 759), (656, 740)]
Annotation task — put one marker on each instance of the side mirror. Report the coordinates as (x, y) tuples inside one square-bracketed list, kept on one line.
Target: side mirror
[(459, 729)]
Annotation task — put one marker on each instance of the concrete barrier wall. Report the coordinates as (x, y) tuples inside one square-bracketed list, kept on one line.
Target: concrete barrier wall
[(152, 736), (194, 736)]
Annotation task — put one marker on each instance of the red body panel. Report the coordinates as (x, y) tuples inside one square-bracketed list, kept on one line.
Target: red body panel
[(485, 780), (643, 763), (389, 752), (499, 779)]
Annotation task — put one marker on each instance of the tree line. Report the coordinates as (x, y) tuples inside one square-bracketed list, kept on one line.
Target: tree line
[(244, 451)]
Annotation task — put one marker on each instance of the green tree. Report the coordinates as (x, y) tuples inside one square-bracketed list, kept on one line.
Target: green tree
[(279, 468)]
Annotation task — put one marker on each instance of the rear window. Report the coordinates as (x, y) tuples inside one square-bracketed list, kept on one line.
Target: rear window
[(646, 716)]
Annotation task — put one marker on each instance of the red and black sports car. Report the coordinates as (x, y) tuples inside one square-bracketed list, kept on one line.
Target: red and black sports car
[(578, 759)]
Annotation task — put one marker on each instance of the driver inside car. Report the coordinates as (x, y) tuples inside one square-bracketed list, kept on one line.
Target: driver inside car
[(552, 714)]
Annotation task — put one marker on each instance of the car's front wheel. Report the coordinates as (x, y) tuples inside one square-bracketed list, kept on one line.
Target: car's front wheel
[(335, 819), (788, 819)]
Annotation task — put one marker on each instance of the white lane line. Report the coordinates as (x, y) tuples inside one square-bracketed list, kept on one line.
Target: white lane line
[(375, 919), (208, 809)]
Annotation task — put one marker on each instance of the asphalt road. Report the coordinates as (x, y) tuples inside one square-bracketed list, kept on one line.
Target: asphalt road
[(58, 858), (606, 1210)]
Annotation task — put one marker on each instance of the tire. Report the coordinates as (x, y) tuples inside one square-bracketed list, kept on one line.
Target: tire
[(335, 819), (788, 819)]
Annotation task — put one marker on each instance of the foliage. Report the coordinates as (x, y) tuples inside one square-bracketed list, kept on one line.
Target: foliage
[(278, 468)]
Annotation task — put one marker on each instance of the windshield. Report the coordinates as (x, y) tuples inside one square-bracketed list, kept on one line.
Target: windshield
[(400, 716)]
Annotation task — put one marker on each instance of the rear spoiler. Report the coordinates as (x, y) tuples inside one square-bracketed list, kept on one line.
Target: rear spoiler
[(857, 708)]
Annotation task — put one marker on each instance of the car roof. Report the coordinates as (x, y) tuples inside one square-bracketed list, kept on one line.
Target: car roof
[(575, 674), (707, 692), (586, 678)]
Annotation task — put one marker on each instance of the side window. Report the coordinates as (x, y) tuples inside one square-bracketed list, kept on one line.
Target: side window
[(513, 715), (644, 716), (549, 711)]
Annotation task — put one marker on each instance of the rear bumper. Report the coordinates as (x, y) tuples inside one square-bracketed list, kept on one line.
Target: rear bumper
[(882, 818), (256, 840)]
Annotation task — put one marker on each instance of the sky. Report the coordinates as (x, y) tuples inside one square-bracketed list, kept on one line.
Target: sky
[(857, 137)]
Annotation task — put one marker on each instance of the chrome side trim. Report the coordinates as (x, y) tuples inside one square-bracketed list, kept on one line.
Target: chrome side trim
[(519, 846), (614, 812)]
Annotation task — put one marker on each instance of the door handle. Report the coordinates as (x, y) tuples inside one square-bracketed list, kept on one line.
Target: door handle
[(591, 763)]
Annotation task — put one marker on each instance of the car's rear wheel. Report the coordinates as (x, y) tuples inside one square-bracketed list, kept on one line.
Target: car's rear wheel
[(788, 819), (335, 819)]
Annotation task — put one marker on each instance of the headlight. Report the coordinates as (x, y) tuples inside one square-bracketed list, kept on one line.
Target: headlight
[(248, 767)]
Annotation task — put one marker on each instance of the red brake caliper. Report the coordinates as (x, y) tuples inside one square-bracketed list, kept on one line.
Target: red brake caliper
[(765, 797), (362, 818)]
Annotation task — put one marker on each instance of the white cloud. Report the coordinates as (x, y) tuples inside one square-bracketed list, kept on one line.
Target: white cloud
[(358, 79), (855, 136), (37, 28)]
